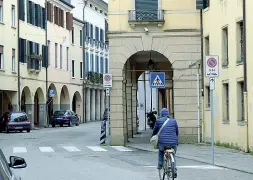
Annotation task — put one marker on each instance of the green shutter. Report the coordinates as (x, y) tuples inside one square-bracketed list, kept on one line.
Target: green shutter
[(33, 14), (22, 10), (81, 37)]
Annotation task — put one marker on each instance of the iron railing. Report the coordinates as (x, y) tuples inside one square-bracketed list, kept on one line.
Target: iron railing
[(146, 15)]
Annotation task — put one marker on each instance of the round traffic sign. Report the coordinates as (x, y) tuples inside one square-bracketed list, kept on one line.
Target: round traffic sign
[(212, 62), (107, 78)]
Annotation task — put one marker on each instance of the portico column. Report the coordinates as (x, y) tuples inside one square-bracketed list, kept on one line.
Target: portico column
[(98, 112), (87, 105), (102, 103), (93, 104)]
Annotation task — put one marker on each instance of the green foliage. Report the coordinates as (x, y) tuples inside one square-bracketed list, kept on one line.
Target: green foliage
[(95, 77)]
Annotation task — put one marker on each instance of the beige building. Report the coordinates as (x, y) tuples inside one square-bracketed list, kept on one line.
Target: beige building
[(223, 36), (168, 32)]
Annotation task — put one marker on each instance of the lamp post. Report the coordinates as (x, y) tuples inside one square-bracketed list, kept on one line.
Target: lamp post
[(151, 67)]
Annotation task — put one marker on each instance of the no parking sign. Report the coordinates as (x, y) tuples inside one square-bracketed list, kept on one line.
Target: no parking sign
[(107, 80)]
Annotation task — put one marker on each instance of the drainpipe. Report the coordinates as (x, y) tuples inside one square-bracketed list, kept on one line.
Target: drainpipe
[(202, 78), (19, 93), (47, 115), (245, 78)]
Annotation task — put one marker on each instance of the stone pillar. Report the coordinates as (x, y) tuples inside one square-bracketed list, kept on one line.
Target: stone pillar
[(129, 109), (93, 104), (98, 111), (87, 105), (29, 109), (134, 108), (102, 103), (42, 114)]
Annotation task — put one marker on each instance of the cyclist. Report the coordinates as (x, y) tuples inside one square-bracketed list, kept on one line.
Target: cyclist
[(168, 137)]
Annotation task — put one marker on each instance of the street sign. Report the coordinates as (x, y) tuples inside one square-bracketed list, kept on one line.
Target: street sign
[(157, 80), (51, 93), (107, 92), (212, 66), (107, 80), (212, 83)]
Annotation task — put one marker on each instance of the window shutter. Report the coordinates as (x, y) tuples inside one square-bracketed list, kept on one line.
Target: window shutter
[(21, 9), (87, 29), (62, 14), (43, 24), (55, 16), (69, 21), (44, 56), (33, 14), (49, 11), (1, 3)]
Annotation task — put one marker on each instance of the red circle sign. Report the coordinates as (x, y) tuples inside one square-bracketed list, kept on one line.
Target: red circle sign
[(212, 62), (107, 78)]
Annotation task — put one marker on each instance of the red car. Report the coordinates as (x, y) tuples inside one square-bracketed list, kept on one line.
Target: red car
[(15, 121)]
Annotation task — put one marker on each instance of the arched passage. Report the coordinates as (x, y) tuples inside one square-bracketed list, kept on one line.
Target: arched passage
[(77, 103), (64, 98), (52, 101), (26, 99), (7, 105), (38, 100)]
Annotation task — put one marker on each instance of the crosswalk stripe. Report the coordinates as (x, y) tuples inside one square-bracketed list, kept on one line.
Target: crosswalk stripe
[(122, 148), (96, 148), (19, 150), (71, 149), (46, 149)]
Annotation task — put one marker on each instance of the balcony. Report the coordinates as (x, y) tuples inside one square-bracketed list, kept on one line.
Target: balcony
[(146, 17), (95, 78), (34, 63)]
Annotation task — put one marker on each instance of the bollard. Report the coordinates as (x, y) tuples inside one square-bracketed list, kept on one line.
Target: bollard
[(103, 132)]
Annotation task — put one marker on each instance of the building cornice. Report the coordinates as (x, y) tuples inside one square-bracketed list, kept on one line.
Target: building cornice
[(62, 4), (78, 21), (101, 4)]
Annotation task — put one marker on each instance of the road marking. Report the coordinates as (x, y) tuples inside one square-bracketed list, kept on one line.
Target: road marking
[(193, 167), (96, 148), (71, 149), (19, 150), (122, 148), (46, 149)]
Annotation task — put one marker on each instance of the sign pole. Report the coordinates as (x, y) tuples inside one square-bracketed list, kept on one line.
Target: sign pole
[(212, 119), (108, 121)]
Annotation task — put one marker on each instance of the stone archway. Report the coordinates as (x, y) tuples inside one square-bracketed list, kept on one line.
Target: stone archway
[(64, 99), (77, 103), (26, 100), (39, 108)]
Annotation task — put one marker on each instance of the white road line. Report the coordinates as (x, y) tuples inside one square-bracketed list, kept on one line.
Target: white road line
[(71, 148), (122, 148), (46, 149), (192, 167), (19, 150), (96, 148)]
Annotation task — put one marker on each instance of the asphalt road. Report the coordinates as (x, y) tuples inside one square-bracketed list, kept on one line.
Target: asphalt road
[(73, 153)]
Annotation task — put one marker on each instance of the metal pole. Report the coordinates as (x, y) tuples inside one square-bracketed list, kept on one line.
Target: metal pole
[(84, 67), (48, 116), (198, 106), (19, 55), (212, 125), (145, 100), (108, 121)]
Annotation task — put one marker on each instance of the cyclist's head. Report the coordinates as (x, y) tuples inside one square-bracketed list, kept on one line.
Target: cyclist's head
[(164, 112)]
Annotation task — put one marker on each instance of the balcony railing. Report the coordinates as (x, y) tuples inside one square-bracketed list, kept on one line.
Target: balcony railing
[(95, 77), (34, 63), (146, 16)]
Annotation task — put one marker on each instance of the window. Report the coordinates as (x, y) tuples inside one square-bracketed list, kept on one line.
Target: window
[(1, 11), (73, 35), (49, 52), (225, 46), (101, 65), (67, 55), (56, 54), (91, 31), (23, 50), (44, 56), (96, 33), (61, 56), (13, 16), (21, 10), (97, 64), (13, 60), (106, 65), (92, 63), (240, 48), (1, 57), (81, 70), (240, 101), (208, 96), (207, 46), (86, 70), (81, 37), (226, 101), (102, 35), (73, 68)]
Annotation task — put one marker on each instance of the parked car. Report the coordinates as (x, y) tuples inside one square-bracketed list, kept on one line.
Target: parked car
[(5, 167), (15, 121), (62, 117)]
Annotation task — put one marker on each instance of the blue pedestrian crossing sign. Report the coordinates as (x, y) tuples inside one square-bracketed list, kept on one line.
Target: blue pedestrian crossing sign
[(157, 80)]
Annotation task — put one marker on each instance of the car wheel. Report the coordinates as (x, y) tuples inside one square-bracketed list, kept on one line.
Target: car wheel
[(70, 123), (53, 125), (61, 125), (77, 124), (7, 130), (21, 131), (28, 130)]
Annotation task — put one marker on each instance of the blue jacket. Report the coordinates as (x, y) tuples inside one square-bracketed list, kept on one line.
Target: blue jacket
[(169, 133)]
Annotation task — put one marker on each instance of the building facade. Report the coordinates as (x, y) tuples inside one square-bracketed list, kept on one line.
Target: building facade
[(93, 15), (223, 36), (157, 35), (42, 60)]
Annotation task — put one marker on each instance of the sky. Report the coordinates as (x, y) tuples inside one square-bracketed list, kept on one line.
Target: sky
[(105, 1)]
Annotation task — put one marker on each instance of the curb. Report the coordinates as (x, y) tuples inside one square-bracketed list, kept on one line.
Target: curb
[(193, 159)]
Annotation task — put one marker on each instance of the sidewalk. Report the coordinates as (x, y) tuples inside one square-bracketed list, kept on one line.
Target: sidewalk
[(224, 157)]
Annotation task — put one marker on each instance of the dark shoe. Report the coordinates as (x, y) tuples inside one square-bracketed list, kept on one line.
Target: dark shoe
[(175, 173)]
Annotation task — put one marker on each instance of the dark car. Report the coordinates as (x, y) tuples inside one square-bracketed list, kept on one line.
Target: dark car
[(62, 117), (15, 121), (5, 167)]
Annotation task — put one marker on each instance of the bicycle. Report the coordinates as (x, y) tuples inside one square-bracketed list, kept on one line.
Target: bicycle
[(169, 163)]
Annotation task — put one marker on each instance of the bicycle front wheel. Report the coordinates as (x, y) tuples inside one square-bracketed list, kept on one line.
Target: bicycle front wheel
[(172, 167)]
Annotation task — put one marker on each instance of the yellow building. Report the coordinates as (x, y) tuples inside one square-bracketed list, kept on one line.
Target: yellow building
[(223, 36), (168, 32)]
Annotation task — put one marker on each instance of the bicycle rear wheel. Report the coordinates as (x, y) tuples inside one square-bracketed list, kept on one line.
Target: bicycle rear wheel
[(172, 166)]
